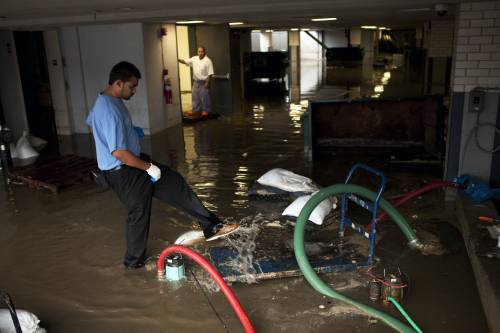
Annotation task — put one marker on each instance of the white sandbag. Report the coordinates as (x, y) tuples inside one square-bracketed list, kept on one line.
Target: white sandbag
[(28, 321), (287, 181), (13, 151), (190, 238), (318, 214), (24, 149), (36, 142)]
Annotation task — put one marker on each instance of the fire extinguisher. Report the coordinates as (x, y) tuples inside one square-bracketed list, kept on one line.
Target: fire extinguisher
[(167, 88)]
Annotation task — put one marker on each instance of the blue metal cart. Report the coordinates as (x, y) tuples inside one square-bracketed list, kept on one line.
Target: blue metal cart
[(372, 207)]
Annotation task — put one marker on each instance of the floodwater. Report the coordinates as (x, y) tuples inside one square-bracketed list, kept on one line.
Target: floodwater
[(61, 255)]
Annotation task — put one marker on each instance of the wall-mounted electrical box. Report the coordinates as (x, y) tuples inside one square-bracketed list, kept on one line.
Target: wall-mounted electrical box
[(476, 100)]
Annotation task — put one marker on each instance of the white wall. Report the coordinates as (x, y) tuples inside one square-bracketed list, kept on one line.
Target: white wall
[(154, 78), (266, 41), (10, 86), (255, 41), (477, 46), (155, 48), (170, 57), (309, 48), (76, 94), (476, 64), (183, 53), (279, 40), (102, 46), (56, 79)]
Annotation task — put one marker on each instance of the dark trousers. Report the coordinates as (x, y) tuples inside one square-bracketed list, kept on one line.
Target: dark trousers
[(135, 190)]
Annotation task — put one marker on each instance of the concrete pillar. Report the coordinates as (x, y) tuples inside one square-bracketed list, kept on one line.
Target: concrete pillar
[(355, 37), (476, 66), (439, 35), (294, 47), (368, 38)]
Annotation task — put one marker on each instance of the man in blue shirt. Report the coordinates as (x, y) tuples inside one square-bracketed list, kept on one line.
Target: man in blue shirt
[(133, 176)]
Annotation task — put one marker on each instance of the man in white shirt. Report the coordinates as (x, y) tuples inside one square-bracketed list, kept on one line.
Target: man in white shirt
[(202, 74)]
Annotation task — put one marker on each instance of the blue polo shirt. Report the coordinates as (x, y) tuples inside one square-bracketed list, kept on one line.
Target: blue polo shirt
[(113, 130)]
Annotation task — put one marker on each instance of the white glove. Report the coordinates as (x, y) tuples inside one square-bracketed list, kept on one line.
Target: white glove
[(154, 172)]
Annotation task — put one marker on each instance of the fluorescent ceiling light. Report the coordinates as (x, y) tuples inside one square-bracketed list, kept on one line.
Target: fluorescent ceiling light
[(324, 19), (368, 27), (236, 23), (383, 28), (269, 30), (294, 29), (409, 10), (189, 22), (255, 30), (305, 29)]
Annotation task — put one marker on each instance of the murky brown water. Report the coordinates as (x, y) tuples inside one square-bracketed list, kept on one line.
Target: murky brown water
[(61, 256)]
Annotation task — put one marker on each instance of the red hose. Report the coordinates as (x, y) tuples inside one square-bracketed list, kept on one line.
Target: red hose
[(412, 195), (240, 312)]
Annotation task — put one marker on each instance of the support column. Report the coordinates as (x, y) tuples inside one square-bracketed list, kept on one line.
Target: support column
[(294, 47), (476, 68), (368, 38), (439, 35)]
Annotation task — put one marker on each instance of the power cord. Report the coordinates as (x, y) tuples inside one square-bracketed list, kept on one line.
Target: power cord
[(208, 300), (475, 132), (476, 129)]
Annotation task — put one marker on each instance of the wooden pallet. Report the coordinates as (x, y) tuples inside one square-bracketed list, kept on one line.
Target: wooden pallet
[(56, 174), (196, 118), (277, 268)]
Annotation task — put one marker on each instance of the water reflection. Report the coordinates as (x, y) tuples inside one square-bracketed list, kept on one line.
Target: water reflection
[(221, 158), (321, 82), (296, 112)]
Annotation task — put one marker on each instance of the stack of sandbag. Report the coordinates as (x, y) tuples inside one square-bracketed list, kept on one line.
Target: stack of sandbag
[(300, 189), (288, 181), (318, 214)]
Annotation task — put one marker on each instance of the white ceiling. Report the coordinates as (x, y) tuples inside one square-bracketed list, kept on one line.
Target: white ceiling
[(25, 14)]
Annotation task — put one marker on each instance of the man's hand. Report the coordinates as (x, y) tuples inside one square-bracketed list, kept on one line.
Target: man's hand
[(127, 158), (207, 84), (154, 172)]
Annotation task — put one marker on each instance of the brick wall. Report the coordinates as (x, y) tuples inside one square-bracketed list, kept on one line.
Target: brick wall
[(476, 60)]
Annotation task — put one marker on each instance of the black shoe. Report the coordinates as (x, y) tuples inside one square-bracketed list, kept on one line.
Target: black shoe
[(134, 266)]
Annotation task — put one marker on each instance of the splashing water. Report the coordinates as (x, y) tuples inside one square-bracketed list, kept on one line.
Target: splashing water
[(244, 245)]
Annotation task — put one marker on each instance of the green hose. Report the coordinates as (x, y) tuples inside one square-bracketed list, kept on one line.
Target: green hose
[(308, 271), (403, 312)]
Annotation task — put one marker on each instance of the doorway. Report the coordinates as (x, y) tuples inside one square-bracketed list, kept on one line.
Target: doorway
[(33, 70), (184, 52)]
